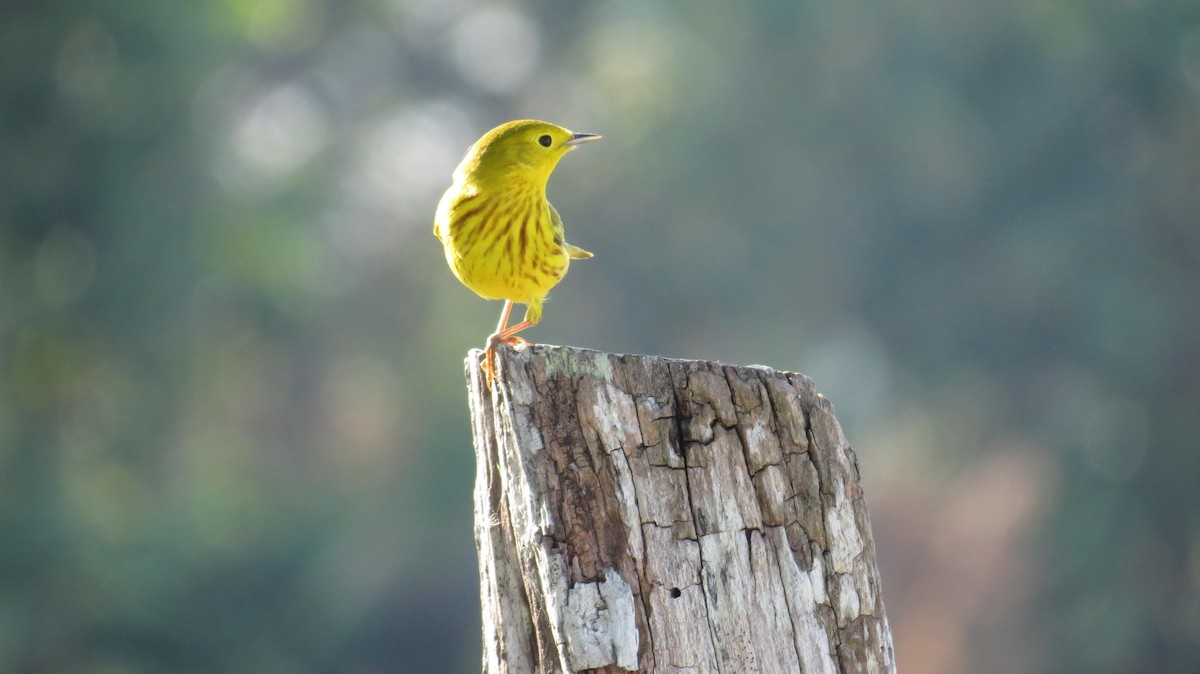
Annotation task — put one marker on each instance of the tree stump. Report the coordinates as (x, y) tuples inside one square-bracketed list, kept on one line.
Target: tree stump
[(637, 513)]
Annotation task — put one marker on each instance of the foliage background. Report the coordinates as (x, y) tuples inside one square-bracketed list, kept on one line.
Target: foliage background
[(233, 434)]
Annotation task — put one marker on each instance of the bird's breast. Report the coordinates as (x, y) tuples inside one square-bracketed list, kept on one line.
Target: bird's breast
[(504, 246)]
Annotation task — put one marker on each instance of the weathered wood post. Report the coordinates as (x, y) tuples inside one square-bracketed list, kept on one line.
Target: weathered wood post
[(636, 513)]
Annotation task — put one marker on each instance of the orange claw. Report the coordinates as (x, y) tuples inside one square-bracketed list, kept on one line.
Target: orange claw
[(489, 368)]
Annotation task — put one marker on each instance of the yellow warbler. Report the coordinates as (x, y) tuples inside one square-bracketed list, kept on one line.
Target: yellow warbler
[(502, 238)]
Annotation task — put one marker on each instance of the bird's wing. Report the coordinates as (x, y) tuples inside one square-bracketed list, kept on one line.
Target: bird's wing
[(574, 252)]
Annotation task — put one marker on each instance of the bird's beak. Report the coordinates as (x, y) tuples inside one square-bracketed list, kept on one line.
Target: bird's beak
[(580, 138)]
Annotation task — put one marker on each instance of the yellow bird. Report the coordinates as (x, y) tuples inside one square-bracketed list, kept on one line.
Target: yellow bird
[(502, 238)]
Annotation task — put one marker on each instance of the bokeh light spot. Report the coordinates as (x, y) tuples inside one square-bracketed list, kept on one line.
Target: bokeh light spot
[(496, 48), (276, 135), (361, 397), (402, 166), (87, 59), (280, 25)]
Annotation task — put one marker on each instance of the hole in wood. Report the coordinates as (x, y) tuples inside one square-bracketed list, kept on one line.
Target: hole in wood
[(675, 593)]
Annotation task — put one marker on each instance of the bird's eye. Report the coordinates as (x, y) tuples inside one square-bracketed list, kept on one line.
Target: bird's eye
[(545, 140)]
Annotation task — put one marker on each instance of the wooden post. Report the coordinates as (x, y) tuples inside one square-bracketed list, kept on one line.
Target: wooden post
[(636, 513)]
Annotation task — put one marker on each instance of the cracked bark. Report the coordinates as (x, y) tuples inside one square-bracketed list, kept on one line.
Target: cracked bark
[(636, 513)]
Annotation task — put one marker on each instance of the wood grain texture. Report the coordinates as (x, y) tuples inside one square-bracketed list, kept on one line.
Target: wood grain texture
[(636, 513)]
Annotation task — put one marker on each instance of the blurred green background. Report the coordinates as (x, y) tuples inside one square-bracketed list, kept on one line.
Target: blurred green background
[(233, 427)]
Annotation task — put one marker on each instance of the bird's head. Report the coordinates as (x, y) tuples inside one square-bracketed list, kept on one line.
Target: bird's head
[(525, 148)]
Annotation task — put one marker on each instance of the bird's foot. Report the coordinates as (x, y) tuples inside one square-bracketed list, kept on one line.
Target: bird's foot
[(517, 343), (489, 358)]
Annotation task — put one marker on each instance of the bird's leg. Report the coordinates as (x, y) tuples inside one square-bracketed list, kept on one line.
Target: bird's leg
[(489, 358), (504, 313), (533, 314), (508, 336)]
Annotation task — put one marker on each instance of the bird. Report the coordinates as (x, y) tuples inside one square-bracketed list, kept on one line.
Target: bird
[(501, 236)]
